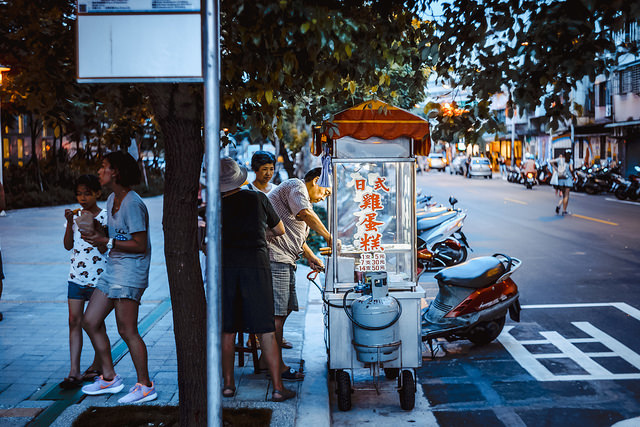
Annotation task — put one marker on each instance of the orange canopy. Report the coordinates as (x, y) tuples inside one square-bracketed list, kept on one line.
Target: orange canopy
[(379, 119)]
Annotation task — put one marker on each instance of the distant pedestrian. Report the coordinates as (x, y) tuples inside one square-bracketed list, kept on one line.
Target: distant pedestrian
[(564, 169), (247, 290), (87, 265), (125, 280), (467, 166), (503, 167)]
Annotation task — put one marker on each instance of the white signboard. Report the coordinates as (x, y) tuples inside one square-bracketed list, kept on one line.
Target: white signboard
[(116, 43), (110, 6)]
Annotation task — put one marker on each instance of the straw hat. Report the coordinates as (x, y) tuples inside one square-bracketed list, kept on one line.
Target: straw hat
[(232, 175)]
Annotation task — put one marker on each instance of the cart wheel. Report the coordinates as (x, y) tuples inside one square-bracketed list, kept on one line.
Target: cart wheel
[(391, 373), (407, 391), (343, 390)]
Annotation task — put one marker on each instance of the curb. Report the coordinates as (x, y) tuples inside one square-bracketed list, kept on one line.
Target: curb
[(313, 402)]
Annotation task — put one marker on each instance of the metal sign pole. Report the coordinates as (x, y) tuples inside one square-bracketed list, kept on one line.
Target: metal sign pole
[(212, 154)]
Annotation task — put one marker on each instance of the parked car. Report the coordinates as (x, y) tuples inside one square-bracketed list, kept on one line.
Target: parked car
[(436, 161), (480, 166), (457, 165)]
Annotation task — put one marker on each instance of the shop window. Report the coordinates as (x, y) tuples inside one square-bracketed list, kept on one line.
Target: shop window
[(6, 152), (601, 94), (20, 124), (20, 144)]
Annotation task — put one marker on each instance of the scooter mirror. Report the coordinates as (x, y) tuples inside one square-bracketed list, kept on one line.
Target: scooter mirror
[(453, 201)]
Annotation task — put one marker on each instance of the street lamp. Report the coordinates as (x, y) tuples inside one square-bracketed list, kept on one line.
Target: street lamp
[(2, 213)]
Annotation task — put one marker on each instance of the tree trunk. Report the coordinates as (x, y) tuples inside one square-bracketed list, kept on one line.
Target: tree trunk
[(178, 110)]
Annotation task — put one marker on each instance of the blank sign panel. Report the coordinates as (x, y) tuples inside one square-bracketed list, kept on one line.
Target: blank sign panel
[(140, 47)]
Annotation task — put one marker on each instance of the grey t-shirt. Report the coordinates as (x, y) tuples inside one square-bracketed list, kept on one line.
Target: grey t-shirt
[(288, 199), (123, 268)]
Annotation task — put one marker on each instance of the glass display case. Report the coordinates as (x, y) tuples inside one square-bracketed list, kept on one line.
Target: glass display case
[(371, 213)]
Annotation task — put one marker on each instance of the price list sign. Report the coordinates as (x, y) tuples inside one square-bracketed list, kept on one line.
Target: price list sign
[(372, 261)]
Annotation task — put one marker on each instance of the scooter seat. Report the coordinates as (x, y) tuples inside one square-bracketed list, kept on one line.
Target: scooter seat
[(476, 273), (430, 222)]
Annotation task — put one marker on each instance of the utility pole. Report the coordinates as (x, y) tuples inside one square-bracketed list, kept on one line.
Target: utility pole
[(212, 152)]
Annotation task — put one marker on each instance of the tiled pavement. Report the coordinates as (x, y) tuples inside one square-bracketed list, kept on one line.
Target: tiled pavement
[(34, 334)]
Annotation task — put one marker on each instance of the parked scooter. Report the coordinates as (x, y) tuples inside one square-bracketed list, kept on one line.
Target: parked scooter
[(441, 242), (544, 173), (629, 188), (473, 300), (514, 174)]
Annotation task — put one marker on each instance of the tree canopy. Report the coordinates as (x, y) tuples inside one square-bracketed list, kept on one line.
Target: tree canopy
[(536, 51), (320, 57)]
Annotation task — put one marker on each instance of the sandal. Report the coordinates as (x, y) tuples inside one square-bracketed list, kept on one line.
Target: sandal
[(70, 383), (228, 391), (90, 374), (286, 344), (292, 375), (282, 395), (557, 210)]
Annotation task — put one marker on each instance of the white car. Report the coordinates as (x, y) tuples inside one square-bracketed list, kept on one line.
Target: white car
[(479, 166), (436, 161)]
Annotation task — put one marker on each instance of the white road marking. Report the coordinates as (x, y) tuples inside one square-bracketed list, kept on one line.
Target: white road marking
[(615, 346), (628, 202), (568, 349), (574, 353), (622, 306)]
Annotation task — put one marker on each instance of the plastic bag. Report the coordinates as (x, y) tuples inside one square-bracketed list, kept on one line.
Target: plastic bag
[(85, 223)]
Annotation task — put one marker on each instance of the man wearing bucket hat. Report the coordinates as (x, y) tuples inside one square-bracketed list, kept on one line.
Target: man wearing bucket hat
[(247, 293), (292, 200)]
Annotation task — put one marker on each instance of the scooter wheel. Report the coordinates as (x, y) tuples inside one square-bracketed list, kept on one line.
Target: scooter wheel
[(485, 332), (621, 193), (343, 390), (407, 390)]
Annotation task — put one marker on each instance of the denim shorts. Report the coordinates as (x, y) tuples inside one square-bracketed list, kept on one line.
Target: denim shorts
[(75, 291), (120, 292)]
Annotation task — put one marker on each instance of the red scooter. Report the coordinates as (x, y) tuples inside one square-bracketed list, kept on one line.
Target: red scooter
[(473, 300)]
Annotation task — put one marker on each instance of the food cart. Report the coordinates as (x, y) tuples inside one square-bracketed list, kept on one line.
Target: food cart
[(371, 294)]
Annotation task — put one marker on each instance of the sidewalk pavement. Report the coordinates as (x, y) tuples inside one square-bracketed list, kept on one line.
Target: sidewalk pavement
[(34, 355)]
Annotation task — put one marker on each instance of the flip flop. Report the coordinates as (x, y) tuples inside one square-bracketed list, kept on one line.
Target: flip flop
[(70, 383), (286, 344), (90, 374), (292, 375), (228, 391), (282, 395)]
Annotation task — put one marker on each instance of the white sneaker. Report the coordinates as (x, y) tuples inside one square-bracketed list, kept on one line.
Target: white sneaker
[(100, 386), (140, 393)]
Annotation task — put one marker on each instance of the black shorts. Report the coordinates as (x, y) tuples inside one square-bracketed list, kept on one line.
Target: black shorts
[(247, 300)]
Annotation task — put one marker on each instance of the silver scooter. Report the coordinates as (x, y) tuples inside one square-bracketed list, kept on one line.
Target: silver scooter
[(441, 242)]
